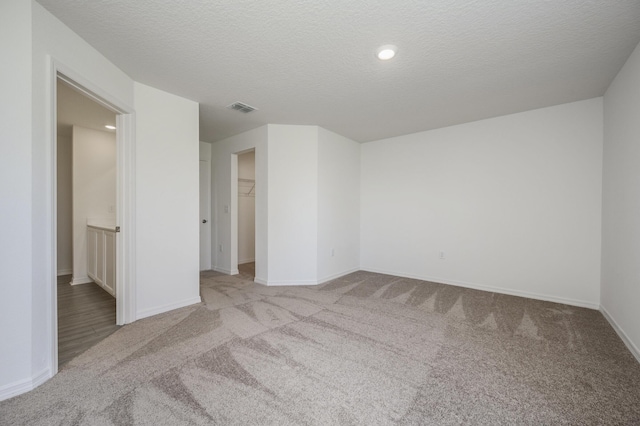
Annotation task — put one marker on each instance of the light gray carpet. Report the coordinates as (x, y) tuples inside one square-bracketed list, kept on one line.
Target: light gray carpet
[(364, 349)]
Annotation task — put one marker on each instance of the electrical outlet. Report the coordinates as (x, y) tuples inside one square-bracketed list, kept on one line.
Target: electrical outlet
[(220, 248), (441, 255), (226, 210)]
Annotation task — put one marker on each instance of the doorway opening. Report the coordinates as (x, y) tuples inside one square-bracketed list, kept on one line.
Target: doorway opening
[(86, 220), (247, 214), (110, 231)]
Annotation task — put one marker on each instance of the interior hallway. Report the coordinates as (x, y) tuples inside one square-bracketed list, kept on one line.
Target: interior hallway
[(86, 315)]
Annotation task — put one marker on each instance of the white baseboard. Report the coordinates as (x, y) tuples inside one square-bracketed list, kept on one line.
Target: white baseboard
[(42, 377), (83, 280), (291, 283), (166, 308), (26, 385), (530, 295), (627, 341), (305, 282), (260, 281), (62, 272), (224, 271), (242, 262), (338, 275)]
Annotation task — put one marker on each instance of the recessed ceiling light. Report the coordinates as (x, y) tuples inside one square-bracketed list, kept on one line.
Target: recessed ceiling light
[(110, 127), (386, 52)]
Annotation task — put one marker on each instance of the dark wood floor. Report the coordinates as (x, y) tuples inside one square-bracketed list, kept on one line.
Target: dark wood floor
[(86, 315), (247, 270)]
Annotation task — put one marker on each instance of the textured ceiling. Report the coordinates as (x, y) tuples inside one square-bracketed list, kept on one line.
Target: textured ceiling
[(312, 61)]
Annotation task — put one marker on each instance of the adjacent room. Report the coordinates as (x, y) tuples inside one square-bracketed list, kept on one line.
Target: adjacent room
[(326, 212), (85, 223)]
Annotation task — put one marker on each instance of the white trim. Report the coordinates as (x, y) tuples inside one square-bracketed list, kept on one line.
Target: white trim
[(166, 308), (208, 261), (242, 262), (126, 208), (83, 280), (233, 216), (41, 377), (625, 338), (224, 271), (25, 385), (52, 258), (88, 89), (305, 282), (291, 283), (338, 275), (125, 187), (125, 245), (62, 272), (529, 295), (260, 281)]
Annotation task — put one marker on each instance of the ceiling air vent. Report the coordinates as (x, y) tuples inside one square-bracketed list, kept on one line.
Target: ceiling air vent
[(239, 106)]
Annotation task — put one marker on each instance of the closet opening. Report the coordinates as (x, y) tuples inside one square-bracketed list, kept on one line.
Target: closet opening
[(247, 214)]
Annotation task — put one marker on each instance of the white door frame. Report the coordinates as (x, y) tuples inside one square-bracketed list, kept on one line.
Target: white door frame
[(206, 244), (125, 199), (233, 246)]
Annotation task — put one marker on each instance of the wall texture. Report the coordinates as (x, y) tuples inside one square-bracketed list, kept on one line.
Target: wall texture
[(94, 189), (167, 201), (311, 179), (16, 369), (620, 292), (293, 204), (64, 229), (338, 205), (51, 40), (513, 204), (31, 39)]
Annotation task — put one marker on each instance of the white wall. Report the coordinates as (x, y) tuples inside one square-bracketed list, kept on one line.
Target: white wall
[(246, 208), (53, 40), (338, 205), (30, 36), (620, 294), (15, 192), (94, 190), (205, 151), (293, 204), (224, 221), (64, 230), (310, 177), (514, 203), (167, 201), (31, 39)]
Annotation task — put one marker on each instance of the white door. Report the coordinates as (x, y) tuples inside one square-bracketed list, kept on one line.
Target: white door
[(205, 215)]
